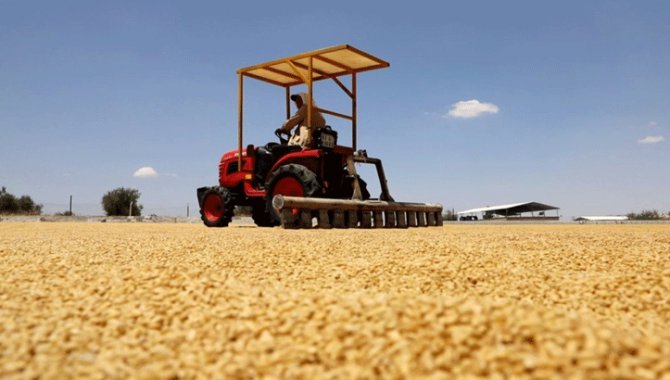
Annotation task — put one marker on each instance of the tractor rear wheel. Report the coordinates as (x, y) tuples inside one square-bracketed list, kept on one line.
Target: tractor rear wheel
[(291, 180), (216, 209)]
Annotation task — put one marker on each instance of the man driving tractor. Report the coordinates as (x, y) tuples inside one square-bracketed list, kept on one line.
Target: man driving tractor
[(303, 135)]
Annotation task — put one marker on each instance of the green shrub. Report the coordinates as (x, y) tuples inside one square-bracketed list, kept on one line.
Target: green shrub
[(117, 202), (9, 204), (645, 215)]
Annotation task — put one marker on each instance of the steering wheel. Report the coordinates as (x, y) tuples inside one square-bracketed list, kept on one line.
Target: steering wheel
[(280, 134)]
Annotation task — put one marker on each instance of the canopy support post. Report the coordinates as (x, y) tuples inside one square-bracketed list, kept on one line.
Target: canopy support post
[(353, 111), (309, 91), (240, 93), (288, 102)]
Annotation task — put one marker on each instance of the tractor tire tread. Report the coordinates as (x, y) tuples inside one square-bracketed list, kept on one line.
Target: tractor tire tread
[(306, 177)]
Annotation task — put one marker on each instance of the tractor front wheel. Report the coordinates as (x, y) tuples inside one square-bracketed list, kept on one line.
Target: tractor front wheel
[(291, 180), (216, 207)]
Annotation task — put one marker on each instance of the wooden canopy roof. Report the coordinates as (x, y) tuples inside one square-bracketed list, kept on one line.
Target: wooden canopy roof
[(328, 63)]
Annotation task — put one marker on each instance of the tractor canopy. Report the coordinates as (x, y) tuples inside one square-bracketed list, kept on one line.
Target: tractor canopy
[(307, 68)]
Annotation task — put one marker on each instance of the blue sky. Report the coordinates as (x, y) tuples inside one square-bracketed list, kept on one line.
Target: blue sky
[(577, 94)]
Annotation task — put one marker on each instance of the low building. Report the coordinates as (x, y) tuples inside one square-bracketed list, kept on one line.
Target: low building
[(596, 219), (527, 211)]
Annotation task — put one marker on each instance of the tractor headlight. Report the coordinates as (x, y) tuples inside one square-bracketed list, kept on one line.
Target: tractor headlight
[(325, 138), (327, 141)]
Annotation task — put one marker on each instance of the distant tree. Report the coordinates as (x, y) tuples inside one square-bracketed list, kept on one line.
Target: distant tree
[(28, 206), (117, 202), (645, 215), (9, 204), (64, 213)]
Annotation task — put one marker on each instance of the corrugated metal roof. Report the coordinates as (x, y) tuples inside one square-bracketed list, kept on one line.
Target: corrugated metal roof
[(601, 218), (514, 207)]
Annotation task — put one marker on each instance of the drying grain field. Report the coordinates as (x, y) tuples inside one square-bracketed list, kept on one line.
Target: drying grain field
[(183, 301)]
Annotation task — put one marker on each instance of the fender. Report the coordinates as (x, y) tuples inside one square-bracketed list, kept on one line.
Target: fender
[(304, 158)]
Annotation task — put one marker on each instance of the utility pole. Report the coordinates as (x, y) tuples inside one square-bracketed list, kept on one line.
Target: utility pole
[(70, 211), (187, 211), (130, 210)]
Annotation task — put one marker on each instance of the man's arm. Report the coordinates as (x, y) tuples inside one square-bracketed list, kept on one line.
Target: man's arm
[(295, 119)]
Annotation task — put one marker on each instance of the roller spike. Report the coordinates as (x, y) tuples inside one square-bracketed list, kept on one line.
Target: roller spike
[(338, 219), (352, 219), (411, 219), (306, 219), (366, 219), (288, 219), (421, 219), (401, 219), (379, 219), (324, 220), (431, 219)]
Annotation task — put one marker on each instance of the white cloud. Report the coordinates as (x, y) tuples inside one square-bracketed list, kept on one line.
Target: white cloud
[(653, 124), (651, 140), (468, 109), (145, 172)]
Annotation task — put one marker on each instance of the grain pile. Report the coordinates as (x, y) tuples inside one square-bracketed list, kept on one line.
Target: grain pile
[(183, 301)]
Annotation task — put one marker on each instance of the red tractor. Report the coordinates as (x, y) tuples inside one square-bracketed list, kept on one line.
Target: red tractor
[(291, 186)]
